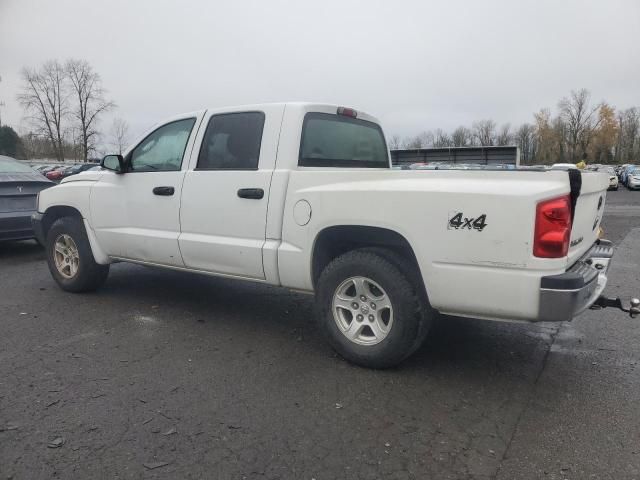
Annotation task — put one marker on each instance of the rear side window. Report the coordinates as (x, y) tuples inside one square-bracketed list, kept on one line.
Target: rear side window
[(232, 142), (330, 140)]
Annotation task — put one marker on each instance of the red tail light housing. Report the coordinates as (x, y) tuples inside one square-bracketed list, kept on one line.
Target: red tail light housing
[(553, 228)]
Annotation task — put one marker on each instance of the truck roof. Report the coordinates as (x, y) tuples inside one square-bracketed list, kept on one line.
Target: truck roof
[(300, 106)]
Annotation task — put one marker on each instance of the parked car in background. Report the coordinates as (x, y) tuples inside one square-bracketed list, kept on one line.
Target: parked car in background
[(624, 177), (19, 188), (75, 169), (613, 178), (633, 178), (44, 169), (56, 174), (620, 169)]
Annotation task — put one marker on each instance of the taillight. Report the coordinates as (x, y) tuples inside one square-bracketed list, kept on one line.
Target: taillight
[(347, 112), (553, 228)]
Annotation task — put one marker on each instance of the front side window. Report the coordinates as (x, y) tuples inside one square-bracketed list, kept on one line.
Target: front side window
[(162, 150), (330, 140), (232, 142)]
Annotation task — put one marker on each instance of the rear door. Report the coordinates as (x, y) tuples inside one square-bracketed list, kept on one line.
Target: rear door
[(225, 193)]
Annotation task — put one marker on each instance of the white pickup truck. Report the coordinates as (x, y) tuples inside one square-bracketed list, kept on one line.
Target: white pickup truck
[(303, 196)]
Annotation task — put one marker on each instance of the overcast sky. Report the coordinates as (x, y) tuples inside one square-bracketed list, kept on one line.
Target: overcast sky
[(416, 65)]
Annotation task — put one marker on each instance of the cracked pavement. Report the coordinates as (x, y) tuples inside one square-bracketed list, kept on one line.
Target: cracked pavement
[(162, 374)]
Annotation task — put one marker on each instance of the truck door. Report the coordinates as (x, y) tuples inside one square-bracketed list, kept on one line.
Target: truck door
[(225, 192), (136, 214)]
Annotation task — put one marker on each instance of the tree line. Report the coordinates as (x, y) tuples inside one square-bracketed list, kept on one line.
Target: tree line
[(63, 105), (579, 130)]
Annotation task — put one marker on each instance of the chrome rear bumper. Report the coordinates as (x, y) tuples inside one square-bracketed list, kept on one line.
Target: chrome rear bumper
[(568, 294)]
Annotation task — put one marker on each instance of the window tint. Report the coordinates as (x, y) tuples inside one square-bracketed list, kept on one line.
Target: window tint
[(163, 149), (232, 142), (337, 141)]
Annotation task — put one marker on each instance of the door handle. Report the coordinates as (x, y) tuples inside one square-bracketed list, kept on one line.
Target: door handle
[(253, 193), (164, 191)]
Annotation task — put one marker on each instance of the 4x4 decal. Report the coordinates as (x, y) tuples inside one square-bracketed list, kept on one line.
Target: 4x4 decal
[(457, 221)]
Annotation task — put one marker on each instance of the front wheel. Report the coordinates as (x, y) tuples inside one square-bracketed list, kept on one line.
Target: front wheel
[(70, 258), (370, 310)]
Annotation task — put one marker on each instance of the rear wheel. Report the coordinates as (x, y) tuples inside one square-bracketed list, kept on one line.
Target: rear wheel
[(370, 310), (70, 259)]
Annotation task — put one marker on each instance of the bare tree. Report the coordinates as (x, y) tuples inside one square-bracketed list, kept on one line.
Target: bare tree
[(578, 117), (504, 136), (44, 97), (395, 142), (484, 132), (90, 101), (120, 135), (413, 142), (461, 137), (525, 139), (422, 140), (628, 142), (427, 139), (441, 139)]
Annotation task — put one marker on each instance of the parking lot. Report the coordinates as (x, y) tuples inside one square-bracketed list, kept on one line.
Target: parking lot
[(167, 375)]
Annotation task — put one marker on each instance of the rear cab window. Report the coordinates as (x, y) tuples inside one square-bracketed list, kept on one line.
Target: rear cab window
[(331, 140)]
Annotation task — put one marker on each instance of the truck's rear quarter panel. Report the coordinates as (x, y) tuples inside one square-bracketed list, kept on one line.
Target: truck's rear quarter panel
[(482, 272)]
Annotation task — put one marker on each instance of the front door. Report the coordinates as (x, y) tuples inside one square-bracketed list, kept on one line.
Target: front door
[(224, 200), (136, 215)]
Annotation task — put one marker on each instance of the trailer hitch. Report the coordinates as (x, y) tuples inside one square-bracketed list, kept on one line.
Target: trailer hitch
[(604, 302)]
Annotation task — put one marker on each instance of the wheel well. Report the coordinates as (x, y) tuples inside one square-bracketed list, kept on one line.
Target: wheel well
[(335, 241), (54, 213)]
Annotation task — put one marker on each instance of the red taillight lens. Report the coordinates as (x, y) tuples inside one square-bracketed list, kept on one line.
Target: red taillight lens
[(553, 228)]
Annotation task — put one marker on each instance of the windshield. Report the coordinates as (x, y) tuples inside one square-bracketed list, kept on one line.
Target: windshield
[(330, 140), (9, 165)]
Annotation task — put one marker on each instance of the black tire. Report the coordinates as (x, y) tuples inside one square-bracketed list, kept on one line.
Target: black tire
[(412, 315), (90, 275)]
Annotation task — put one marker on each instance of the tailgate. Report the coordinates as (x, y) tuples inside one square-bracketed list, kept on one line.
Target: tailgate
[(588, 213)]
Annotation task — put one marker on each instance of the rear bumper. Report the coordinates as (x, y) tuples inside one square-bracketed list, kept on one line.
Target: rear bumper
[(16, 226), (568, 294)]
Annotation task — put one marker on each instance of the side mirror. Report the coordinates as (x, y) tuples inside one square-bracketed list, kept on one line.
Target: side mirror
[(115, 163)]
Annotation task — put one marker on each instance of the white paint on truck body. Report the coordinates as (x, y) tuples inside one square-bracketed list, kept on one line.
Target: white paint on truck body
[(487, 272)]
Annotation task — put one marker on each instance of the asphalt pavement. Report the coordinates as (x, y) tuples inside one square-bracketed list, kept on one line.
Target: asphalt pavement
[(167, 375)]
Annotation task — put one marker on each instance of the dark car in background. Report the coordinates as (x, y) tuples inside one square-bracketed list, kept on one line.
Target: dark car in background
[(19, 188)]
